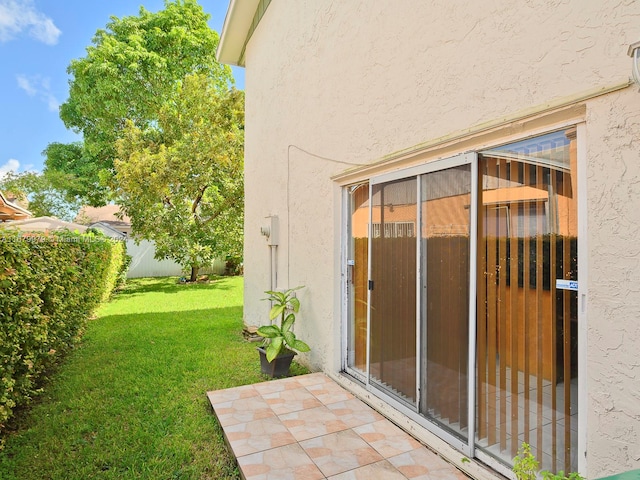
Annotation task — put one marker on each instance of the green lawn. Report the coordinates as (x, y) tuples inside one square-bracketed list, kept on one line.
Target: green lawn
[(130, 401)]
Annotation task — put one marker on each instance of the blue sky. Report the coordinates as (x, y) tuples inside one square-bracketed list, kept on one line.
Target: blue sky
[(38, 39)]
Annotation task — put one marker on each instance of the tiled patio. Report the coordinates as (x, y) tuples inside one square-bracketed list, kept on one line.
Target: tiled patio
[(309, 427)]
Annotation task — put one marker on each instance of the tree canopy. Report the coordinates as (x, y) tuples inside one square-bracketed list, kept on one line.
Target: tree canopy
[(180, 180), (163, 134), (71, 171), (42, 194), (130, 72)]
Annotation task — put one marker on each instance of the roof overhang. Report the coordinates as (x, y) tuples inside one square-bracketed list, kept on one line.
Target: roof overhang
[(10, 211), (235, 31)]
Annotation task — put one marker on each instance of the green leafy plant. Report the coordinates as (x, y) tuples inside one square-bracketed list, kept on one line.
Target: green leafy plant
[(525, 465), (547, 475), (280, 337)]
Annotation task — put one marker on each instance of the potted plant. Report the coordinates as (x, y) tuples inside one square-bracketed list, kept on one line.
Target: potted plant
[(280, 343)]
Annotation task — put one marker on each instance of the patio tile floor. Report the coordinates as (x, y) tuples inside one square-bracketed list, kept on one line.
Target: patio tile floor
[(309, 427)]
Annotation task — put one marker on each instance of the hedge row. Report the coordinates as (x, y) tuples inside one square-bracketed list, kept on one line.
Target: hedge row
[(49, 287)]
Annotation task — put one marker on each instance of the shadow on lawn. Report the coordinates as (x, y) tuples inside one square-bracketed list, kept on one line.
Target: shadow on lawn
[(170, 285)]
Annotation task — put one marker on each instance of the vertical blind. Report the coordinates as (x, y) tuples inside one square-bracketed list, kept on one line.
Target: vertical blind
[(527, 326)]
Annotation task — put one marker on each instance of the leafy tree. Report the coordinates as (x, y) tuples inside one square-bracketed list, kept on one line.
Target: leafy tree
[(129, 73), (63, 186), (70, 169), (180, 180), (40, 190)]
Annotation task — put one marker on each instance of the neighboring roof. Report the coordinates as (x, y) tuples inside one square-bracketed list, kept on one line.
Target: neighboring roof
[(44, 224), (13, 198), (117, 224), (102, 214), (11, 211), (242, 18), (108, 230)]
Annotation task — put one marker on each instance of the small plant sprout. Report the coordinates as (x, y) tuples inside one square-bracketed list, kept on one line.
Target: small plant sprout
[(547, 475), (525, 465)]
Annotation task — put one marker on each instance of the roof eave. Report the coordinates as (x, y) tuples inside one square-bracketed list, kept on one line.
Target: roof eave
[(18, 209), (235, 31)]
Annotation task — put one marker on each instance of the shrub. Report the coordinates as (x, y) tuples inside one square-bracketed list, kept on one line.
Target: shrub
[(124, 268), (49, 286)]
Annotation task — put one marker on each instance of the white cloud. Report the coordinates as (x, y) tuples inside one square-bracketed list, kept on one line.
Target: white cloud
[(27, 85), (11, 166), (40, 86), (17, 16), (45, 31)]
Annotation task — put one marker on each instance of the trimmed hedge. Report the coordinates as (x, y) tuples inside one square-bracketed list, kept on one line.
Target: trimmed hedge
[(50, 284)]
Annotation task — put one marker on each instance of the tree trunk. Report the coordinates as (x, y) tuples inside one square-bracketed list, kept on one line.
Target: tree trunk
[(194, 273)]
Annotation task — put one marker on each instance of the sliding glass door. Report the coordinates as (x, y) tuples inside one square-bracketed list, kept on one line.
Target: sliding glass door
[(392, 335), (444, 320), (357, 277), (467, 319)]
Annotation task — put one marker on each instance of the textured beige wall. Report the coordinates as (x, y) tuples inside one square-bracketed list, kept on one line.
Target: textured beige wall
[(613, 354), (353, 81)]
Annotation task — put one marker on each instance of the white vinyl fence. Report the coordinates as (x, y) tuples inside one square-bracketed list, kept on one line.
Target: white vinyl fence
[(144, 265)]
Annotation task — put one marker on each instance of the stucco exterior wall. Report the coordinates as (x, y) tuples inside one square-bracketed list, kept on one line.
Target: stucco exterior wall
[(613, 351), (333, 84)]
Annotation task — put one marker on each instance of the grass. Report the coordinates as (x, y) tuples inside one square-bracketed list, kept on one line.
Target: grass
[(130, 401)]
